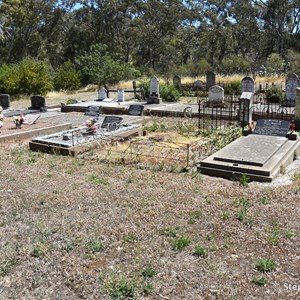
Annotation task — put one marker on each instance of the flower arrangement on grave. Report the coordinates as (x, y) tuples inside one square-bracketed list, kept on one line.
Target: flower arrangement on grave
[(18, 120), (292, 127), (91, 127), (1, 117), (249, 128)]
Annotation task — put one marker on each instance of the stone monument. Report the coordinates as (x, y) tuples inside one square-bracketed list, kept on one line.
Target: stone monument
[(154, 97), (121, 95), (210, 79), (38, 102), (102, 94), (216, 95), (291, 84), (5, 101), (248, 85), (177, 82)]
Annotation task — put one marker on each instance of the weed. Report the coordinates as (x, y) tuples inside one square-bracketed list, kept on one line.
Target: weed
[(129, 180), (78, 162), (282, 169), (7, 265), (290, 234), (37, 251), (169, 232), (122, 290), (149, 272), (94, 245), (259, 280), (295, 155), (181, 243), (96, 180), (265, 265), (264, 200), (244, 180), (241, 214), (130, 238), (200, 252), (296, 176), (195, 215), (148, 288), (226, 215)]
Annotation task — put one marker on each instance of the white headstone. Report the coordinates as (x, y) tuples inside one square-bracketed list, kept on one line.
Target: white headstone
[(291, 85), (102, 94), (154, 88), (121, 95), (216, 94), (248, 85)]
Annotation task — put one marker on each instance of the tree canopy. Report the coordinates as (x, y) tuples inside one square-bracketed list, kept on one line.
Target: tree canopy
[(154, 36)]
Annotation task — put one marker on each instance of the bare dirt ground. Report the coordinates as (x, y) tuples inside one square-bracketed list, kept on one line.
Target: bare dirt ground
[(78, 228)]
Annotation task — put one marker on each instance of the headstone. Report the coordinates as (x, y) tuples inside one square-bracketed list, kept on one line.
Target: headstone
[(291, 85), (272, 127), (38, 102), (154, 97), (177, 82), (111, 123), (93, 111), (210, 79), (297, 110), (121, 95), (5, 101), (246, 106), (135, 110), (248, 85), (30, 119), (102, 94), (199, 85), (216, 94)]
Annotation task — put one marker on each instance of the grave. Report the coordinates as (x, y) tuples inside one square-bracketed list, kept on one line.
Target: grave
[(177, 82), (81, 139), (93, 111), (246, 107), (259, 156), (135, 110), (102, 94), (154, 97), (248, 85), (199, 85), (5, 101), (210, 79), (121, 95), (31, 119), (38, 102), (291, 85), (216, 95)]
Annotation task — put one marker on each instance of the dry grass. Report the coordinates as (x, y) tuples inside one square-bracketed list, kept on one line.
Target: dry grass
[(79, 229)]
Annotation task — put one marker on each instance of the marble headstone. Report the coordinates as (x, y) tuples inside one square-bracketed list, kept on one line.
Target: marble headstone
[(246, 106), (216, 94), (102, 94), (154, 97), (121, 95)]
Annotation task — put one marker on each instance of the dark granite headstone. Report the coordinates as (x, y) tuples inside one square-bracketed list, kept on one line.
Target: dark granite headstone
[(93, 111), (37, 102), (210, 79), (135, 110), (111, 123), (272, 127), (5, 101)]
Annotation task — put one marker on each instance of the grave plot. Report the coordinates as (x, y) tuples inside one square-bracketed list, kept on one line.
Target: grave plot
[(78, 140), (163, 151), (260, 156)]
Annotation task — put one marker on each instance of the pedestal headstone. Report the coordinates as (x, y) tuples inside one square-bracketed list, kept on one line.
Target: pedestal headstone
[(135, 110), (102, 94), (248, 85), (272, 127), (5, 101), (291, 85), (38, 102), (216, 94), (154, 97), (246, 104), (121, 95), (177, 82), (210, 79)]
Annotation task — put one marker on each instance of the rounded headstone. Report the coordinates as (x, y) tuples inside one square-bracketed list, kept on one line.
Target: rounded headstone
[(5, 101)]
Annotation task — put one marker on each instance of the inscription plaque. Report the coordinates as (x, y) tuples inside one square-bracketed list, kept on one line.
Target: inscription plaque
[(272, 127)]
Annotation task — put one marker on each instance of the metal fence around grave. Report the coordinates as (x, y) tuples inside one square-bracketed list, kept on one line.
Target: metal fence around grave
[(213, 116)]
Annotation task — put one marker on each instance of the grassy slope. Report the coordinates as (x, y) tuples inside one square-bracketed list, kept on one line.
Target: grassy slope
[(52, 207)]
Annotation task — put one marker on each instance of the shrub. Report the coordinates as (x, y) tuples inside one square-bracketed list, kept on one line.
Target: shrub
[(274, 95), (34, 77), (9, 79), (66, 77), (169, 93), (234, 87)]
